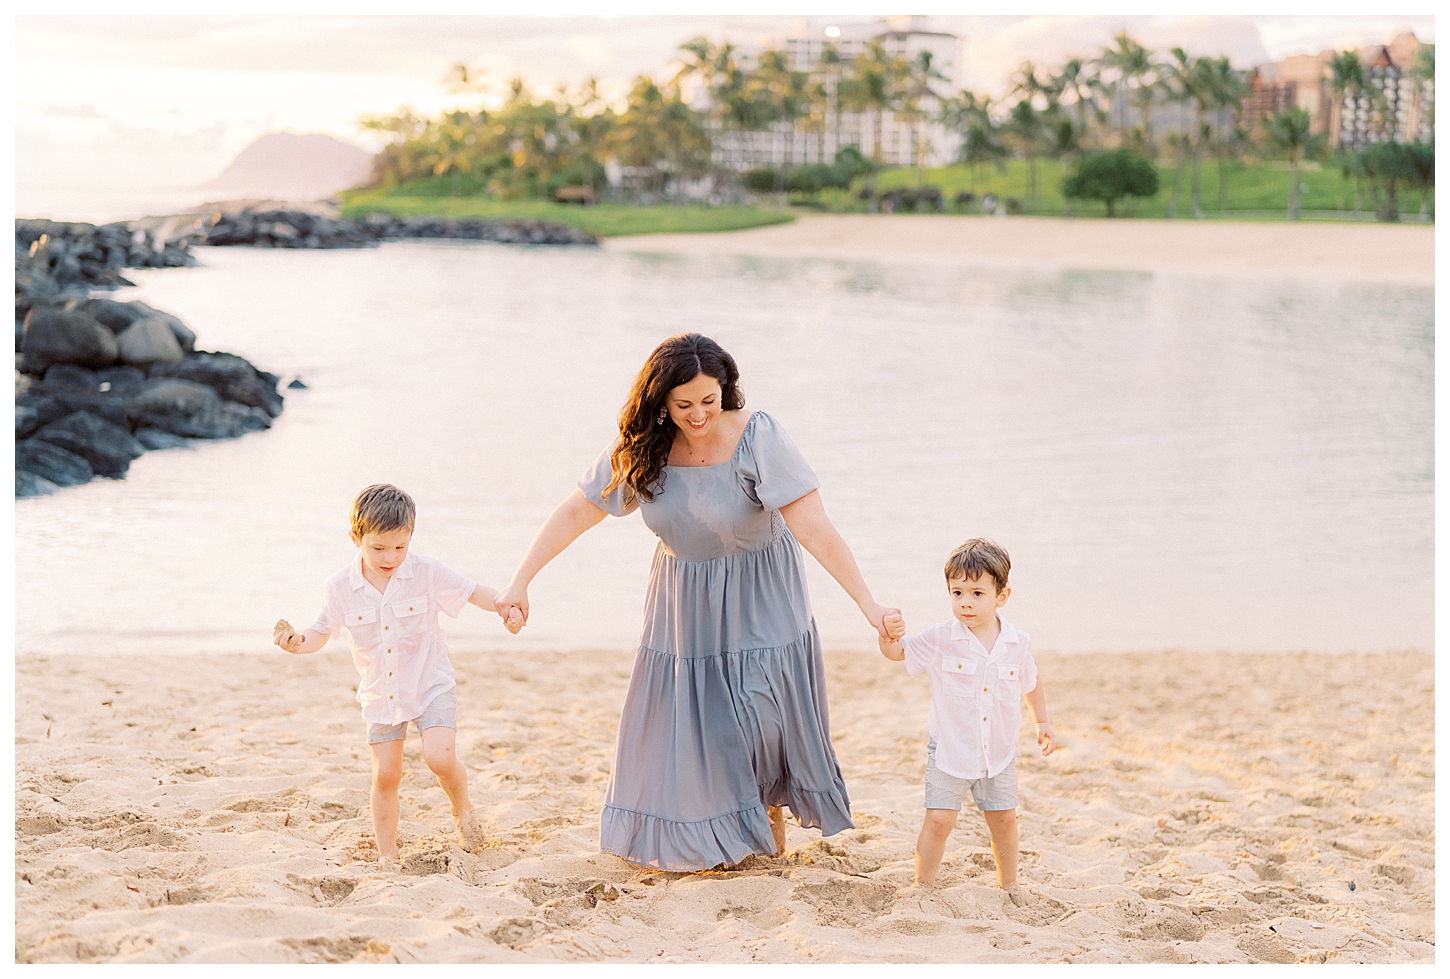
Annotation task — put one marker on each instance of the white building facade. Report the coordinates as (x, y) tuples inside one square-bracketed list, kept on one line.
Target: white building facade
[(916, 138)]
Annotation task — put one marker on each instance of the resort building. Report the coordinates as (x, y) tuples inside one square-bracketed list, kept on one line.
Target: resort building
[(1400, 104), (910, 136)]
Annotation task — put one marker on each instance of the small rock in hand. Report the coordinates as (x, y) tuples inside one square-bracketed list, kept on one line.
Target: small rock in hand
[(282, 631)]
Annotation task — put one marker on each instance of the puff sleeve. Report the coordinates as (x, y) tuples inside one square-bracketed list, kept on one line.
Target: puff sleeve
[(772, 470), (596, 477)]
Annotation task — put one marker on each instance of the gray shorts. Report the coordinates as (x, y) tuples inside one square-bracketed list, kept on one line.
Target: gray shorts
[(442, 711), (945, 791)]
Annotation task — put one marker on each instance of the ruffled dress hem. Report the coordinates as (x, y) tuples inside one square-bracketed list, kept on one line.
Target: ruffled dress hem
[(813, 809), (684, 846)]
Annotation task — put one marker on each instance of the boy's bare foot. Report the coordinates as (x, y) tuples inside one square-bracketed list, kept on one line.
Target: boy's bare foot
[(470, 831), (1020, 895), (388, 865), (777, 828)]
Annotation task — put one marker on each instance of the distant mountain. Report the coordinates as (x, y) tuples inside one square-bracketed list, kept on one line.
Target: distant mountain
[(286, 165)]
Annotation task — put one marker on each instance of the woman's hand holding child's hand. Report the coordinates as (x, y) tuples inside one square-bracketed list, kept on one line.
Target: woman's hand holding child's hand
[(894, 625), (512, 601)]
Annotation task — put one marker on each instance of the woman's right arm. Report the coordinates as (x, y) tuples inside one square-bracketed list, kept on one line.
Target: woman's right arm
[(569, 519)]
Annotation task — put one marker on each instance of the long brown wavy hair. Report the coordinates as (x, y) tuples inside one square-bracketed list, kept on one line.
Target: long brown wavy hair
[(638, 461)]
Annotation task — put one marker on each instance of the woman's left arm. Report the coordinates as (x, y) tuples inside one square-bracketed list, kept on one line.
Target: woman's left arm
[(807, 520)]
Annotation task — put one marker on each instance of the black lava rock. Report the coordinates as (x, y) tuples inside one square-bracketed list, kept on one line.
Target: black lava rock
[(58, 336), (154, 439), (230, 376), (108, 448), (33, 410), (52, 463), (29, 484)]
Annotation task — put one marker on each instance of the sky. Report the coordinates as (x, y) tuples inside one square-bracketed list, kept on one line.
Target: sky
[(162, 102)]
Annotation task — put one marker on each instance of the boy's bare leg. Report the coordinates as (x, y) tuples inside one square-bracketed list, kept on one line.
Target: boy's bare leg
[(439, 751), (387, 773), (932, 843), (1002, 823), (777, 827)]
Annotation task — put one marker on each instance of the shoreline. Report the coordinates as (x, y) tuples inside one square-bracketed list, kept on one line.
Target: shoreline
[(1362, 253), (174, 812)]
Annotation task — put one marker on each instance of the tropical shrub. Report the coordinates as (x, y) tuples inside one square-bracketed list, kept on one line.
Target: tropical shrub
[(1111, 175)]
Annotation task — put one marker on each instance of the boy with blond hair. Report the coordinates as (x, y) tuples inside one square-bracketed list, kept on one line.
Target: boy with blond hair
[(388, 600), (980, 666)]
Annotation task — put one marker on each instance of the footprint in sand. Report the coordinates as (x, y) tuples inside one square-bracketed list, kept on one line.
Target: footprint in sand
[(324, 891), (1030, 908), (846, 902), (343, 948)]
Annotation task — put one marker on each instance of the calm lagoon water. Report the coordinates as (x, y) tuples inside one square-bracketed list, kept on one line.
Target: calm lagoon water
[(1198, 462)]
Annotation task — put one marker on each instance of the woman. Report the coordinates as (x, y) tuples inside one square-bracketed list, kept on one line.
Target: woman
[(725, 719)]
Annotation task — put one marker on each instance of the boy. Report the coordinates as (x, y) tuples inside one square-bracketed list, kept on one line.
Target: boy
[(389, 600), (979, 666)]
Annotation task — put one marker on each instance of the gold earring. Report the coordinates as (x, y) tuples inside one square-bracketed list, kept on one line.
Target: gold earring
[(664, 413)]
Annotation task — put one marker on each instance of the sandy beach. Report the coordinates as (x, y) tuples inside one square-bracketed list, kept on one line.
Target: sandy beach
[(1201, 808), (1393, 254)]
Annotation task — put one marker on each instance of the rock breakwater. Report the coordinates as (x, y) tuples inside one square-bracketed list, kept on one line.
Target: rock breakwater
[(100, 382), (289, 228)]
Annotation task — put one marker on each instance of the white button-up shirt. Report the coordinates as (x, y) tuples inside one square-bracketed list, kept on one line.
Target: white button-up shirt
[(976, 694), (397, 647)]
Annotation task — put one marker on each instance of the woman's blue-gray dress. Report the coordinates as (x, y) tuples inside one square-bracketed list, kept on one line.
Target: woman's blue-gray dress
[(726, 710)]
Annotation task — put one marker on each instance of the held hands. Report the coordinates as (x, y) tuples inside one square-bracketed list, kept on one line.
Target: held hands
[(1044, 738), (876, 614), (512, 605), (284, 636), (894, 625)]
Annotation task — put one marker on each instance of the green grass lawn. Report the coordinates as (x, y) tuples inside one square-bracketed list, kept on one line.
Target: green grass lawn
[(1255, 190), (605, 220)]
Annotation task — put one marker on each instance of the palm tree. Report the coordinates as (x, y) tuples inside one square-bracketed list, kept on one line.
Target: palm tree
[(1180, 86), (875, 87), (969, 115), (1025, 82), (1025, 126), (920, 73), (1227, 89), (1423, 70), (1135, 67), (1077, 80), (1288, 132), (719, 74), (1346, 80), (833, 66), (1230, 144), (1208, 84), (1352, 164), (658, 131), (1422, 164), (784, 92), (1387, 163)]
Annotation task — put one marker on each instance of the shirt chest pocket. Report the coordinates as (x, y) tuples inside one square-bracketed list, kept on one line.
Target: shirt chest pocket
[(410, 617), (362, 623), (1009, 680), (959, 676)]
